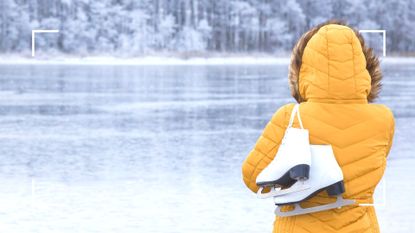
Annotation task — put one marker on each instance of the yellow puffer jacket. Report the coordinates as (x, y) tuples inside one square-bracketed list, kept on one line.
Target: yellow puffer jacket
[(334, 86)]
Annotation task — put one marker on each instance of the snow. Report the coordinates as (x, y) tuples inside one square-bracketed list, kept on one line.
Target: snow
[(150, 60), (163, 60)]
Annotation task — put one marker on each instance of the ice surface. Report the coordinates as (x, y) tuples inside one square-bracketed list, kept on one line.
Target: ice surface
[(165, 60), (145, 60), (158, 148)]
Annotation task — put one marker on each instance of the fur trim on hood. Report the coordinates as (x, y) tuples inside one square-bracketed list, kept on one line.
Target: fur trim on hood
[(372, 63)]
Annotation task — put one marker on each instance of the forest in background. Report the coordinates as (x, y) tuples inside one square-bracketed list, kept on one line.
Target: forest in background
[(131, 27)]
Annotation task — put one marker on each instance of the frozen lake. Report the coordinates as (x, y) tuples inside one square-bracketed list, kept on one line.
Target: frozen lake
[(159, 148)]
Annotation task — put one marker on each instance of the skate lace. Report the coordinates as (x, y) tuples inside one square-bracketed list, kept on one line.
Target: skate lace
[(294, 112)]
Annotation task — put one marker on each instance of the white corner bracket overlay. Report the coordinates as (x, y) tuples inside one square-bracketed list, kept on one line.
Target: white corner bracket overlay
[(34, 36), (384, 37), (383, 204)]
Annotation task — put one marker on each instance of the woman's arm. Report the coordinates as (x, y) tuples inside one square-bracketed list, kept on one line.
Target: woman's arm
[(265, 148), (391, 132)]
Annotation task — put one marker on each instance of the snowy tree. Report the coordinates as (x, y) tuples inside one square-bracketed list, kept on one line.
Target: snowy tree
[(129, 27), (316, 12), (205, 29), (14, 27), (190, 40), (167, 30)]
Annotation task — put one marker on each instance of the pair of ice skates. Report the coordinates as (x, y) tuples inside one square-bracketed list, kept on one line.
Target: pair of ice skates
[(299, 171)]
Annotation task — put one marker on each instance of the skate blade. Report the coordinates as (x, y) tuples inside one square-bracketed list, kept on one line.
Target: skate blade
[(298, 210), (277, 191)]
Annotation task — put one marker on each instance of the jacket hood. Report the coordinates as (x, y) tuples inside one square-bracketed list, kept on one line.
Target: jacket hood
[(330, 63)]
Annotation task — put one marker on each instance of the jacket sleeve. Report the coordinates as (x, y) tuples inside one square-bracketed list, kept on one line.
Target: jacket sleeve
[(265, 148), (391, 133)]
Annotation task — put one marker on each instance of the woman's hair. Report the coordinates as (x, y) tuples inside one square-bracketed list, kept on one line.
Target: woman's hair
[(372, 62)]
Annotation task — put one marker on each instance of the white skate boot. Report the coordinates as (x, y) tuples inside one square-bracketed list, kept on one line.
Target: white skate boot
[(291, 165), (325, 174)]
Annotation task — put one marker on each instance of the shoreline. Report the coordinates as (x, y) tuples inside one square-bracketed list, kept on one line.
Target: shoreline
[(163, 60)]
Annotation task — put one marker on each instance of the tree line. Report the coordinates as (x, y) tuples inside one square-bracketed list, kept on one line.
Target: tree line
[(129, 27)]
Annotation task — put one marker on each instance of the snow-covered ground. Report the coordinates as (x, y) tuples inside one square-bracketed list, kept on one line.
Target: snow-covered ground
[(164, 60), (159, 148), (145, 60)]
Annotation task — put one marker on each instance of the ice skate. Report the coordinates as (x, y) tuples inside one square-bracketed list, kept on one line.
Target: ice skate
[(291, 165), (325, 174)]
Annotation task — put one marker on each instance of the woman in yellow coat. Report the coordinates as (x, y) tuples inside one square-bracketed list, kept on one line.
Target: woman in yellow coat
[(334, 77)]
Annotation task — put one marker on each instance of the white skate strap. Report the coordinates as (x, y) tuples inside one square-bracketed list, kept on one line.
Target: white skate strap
[(298, 210), (295, 111)]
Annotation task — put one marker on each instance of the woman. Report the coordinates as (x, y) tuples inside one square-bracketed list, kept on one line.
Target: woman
[(334, 77)]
